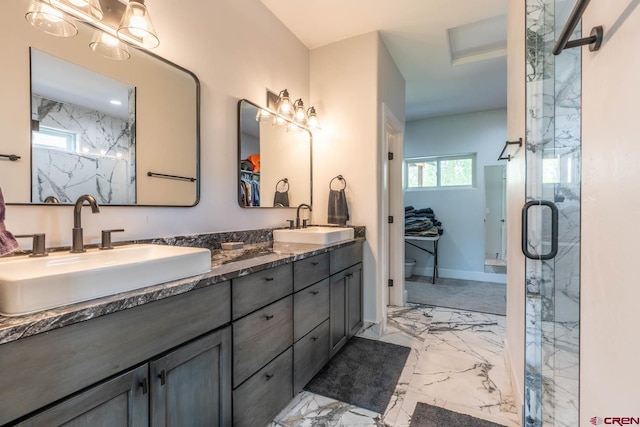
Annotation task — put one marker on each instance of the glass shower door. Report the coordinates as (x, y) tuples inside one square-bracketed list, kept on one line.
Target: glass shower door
[(551, 220)]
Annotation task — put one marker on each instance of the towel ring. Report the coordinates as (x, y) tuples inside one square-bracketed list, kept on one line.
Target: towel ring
[(340, 178), (284, 180)]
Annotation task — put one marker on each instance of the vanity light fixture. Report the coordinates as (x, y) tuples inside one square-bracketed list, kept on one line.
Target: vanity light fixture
[(284, 112), (52, 21), (130, 24)]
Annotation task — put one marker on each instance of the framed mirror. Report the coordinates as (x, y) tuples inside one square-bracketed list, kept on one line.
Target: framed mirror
[(274, 159), (126, 132)]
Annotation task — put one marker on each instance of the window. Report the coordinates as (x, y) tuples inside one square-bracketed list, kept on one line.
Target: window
[(55, 138), (441, 172)]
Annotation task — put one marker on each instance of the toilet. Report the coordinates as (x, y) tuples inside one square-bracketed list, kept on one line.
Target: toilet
[(408, 267)]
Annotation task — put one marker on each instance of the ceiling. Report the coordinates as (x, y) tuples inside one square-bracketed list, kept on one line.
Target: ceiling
[(63, 81), (452, 53)]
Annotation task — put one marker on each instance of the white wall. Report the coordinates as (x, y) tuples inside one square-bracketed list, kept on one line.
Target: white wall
[(345, 79), (514, 344), (461, 211), (609, 347), (238, 51)]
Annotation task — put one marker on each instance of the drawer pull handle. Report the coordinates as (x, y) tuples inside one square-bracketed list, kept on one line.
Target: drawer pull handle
[(269, 376), (314, 339), (268, 279), (163, 377), (145, 386), (315, 263), (314, 292), (349, 274), (268, 316)]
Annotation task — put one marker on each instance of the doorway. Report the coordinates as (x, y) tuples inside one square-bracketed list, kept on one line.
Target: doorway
[(495, 190), (392, 153)]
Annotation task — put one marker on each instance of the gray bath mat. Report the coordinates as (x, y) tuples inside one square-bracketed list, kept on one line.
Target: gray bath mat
[(364, 373), (432, 416)]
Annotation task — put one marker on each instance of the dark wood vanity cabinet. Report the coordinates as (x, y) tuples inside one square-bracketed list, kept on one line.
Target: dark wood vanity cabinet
[(188, 386), (134, 364), (233, 353)]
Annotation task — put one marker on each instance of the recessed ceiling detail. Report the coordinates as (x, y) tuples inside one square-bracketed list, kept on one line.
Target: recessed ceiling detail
[(478, 40), (425, 39)]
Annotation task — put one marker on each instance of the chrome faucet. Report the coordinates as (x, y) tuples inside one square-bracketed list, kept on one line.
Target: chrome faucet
[(302, 205), (78, 243)]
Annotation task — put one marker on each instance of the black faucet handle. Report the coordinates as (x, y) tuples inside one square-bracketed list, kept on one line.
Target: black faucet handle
[(106, 238), (291, 224), (39, 245), (304, 223)]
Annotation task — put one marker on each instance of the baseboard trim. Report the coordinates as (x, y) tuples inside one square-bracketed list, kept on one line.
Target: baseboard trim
[(516, 388), (478, 276)]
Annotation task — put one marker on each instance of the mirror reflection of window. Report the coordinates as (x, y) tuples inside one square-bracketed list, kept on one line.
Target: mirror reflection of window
[(55, 138), (83, 133)]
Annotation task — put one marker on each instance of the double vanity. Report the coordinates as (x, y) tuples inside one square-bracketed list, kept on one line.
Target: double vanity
[(230, 346)]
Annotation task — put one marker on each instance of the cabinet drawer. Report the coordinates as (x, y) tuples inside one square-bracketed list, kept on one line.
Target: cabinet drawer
[(256, 290), (310, 270), (310, 308), (260, 336), (266, 393), (310, 354), (345, 257)]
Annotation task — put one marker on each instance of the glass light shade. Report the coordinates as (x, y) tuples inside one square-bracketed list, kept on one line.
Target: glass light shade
[(313, 118), (136, 27), (300, 114), (109, 46), (284, 104), (50, 20), (85, 10)]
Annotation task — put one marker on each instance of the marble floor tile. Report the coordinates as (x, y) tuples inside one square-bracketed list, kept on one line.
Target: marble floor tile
[(312, 410), (456, 362)]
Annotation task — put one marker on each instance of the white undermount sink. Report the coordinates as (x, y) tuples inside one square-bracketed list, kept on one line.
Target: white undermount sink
[(314, 235), (29, 284)]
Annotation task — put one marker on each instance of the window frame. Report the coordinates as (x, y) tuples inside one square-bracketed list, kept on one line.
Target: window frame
[(438, 160), (70, 136)]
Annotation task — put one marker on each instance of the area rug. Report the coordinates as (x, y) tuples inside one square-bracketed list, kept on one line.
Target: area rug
[(364, 373), (483, 297), (432, 416)]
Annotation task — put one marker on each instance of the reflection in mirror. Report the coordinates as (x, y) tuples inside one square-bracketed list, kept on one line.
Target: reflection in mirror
[(274, 159), (156, 130), (83, 134), (495, 219)]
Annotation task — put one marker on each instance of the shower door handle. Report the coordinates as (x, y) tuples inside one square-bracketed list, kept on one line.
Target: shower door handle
[(554, 230)]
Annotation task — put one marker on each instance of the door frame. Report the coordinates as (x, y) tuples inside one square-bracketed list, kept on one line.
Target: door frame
[(392, 204)]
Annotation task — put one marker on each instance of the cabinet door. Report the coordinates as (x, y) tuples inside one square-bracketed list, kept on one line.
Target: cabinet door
[(121, 401), (354, 299), (191, 386), (338, 315)]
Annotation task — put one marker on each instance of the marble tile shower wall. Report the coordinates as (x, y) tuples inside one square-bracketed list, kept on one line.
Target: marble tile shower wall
[(102, 163), (553, 287)]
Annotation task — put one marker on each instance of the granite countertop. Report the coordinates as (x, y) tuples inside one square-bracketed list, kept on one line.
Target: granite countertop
[(225, 265)]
